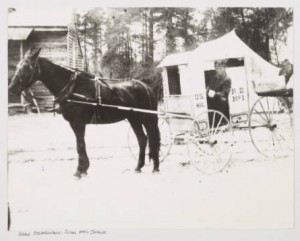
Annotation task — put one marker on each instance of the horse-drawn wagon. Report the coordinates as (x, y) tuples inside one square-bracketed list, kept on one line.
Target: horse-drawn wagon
[(185, 110), (258, 102)]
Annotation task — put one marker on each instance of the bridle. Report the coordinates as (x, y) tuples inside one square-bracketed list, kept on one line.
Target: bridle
[(24, 85)]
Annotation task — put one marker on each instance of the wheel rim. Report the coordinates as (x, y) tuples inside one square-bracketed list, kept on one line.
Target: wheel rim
[(270, 127), (211, 142)]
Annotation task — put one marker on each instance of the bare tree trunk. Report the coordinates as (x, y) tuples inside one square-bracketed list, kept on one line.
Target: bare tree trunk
[(151, 37), (170, 38), (85, 48)]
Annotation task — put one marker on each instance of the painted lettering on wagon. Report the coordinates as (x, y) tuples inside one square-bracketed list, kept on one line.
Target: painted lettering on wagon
[(238, 95), (199, 96)]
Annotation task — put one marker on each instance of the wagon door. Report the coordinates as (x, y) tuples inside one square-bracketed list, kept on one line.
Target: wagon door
[(238, 97)]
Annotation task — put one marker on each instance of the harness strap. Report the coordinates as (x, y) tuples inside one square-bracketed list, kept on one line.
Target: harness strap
[(64, 94), (96, 118), (67, 90), (98, 90)]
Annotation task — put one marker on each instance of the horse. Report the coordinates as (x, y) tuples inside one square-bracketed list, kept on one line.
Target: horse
[(65, 84), (286, 69)]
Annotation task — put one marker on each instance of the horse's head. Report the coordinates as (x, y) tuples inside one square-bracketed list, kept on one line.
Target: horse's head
[(26, 72), (286, 70)]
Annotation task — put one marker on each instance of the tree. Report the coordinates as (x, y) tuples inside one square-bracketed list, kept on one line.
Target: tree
[(90, 25), (255, 26), (118, 56)]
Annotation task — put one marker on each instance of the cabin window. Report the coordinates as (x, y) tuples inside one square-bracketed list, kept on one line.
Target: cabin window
[(173, 80)]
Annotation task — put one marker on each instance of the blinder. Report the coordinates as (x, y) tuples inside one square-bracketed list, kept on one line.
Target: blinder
[(23, 84)]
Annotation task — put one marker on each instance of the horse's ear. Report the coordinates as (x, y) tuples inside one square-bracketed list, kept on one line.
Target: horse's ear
[(32, 53), (36, 53), (281, 72), (29, 52)]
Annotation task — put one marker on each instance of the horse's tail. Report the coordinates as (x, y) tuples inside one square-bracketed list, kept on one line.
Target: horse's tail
[(151, 125)]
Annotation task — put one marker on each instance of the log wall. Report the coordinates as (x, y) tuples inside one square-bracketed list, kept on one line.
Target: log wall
[(14, 56), (54, 48), (60, 47)]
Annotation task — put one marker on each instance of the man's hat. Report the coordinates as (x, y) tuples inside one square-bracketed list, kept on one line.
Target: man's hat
[(220, 63)]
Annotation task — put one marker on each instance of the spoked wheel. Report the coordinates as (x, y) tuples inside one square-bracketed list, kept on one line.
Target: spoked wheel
[(166, 140), (210, 142), (271, 127)]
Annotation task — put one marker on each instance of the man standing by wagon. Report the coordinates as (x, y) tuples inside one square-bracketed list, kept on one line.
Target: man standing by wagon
[(218, 89)]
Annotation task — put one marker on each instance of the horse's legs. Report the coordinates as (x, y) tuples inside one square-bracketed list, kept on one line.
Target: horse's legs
[(83, 160), (142, 140), (151, 125)]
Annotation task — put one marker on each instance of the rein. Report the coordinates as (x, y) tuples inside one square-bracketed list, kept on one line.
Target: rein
[(32, 96)]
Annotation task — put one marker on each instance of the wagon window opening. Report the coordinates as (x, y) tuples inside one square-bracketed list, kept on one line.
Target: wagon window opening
[(235, 62), (174, 80)]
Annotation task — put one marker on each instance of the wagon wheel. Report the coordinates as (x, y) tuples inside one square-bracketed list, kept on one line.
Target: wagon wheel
[(166, 140), (210, 142), (271, 127)]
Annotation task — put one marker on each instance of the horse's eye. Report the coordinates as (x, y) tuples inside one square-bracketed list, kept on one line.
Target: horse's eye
[(27, 67)]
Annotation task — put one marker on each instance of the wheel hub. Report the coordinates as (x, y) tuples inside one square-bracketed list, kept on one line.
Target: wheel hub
[(272, 127), (212, 142)]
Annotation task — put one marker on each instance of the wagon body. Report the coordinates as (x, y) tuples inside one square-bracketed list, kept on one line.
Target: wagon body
[(185, 79), (185, 76)]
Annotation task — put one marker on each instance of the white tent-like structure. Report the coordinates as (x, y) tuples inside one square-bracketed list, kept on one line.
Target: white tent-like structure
[(252, 74)]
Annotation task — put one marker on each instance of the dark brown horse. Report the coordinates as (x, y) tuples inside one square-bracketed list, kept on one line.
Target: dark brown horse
[(286, 70), (132, 93)]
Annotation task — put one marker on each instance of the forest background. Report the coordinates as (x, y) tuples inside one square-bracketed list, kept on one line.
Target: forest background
[(130, 42)]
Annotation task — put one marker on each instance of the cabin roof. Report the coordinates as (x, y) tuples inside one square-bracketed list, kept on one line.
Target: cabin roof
[(43, 17), (19, 33)]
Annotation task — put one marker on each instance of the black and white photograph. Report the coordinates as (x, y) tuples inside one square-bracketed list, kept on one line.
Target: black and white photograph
[(149, 118)]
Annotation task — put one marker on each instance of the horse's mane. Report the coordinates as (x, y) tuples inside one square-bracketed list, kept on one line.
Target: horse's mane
[(155, 84), (154, 81), (82, 74)]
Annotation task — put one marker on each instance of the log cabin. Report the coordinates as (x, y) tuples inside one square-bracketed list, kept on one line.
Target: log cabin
[(54, 31)]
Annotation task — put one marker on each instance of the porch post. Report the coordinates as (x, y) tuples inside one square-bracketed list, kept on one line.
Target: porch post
[(21, 56)]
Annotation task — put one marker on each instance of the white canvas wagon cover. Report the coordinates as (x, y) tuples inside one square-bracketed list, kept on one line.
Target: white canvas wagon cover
[(262, 73)]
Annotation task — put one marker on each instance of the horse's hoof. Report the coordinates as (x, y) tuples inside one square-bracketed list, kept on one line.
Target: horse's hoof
[(138, 170), (84, 174), (155, 170), (77, 174)]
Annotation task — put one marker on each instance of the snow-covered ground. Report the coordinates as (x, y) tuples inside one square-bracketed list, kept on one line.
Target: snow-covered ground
[(254, 192)]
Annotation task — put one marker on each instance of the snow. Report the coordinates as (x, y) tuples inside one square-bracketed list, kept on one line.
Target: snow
[(253, 192)]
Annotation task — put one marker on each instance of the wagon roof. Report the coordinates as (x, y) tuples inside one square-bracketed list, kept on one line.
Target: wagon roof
[(227, 46), (176, 59)]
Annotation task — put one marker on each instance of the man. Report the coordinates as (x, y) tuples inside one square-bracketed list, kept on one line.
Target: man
[(218, 89)]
